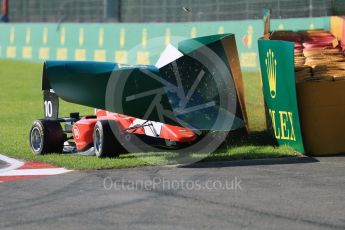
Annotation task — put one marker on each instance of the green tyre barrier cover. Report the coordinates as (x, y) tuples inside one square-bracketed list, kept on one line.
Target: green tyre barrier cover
[(201, 89)]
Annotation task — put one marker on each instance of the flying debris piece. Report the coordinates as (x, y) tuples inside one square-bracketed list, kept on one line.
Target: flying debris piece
[(186, 9)]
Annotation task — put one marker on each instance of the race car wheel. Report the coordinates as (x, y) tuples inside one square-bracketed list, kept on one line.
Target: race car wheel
[(105, 141), (46, 136)]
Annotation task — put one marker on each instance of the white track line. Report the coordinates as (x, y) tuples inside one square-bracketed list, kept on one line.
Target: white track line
[(14, 164), (35, 172)]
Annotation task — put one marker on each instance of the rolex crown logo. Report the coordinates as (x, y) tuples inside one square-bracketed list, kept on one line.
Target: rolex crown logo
[(271, 68)]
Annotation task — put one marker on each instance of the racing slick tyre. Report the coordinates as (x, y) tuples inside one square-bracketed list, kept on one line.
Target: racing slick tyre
[(46, 136), (104, 139)]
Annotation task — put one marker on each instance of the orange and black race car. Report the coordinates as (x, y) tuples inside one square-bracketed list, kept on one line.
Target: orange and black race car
[(105, 134)]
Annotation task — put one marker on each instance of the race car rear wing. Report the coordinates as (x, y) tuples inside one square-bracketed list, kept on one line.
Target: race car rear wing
[(50, 104), (50, 99)]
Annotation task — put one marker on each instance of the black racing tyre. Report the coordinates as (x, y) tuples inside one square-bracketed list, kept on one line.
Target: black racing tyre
[(46, 136), (105, 142)]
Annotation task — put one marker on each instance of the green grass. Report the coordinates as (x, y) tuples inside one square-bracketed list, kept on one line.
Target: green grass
[(21, 104)]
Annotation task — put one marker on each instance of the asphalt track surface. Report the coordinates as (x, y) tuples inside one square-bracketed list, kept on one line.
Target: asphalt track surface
[(303, 193)]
